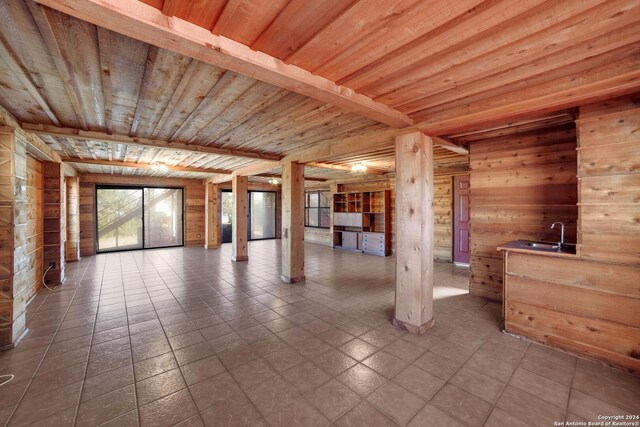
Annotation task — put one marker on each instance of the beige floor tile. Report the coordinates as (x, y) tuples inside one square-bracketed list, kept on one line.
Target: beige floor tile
[(252, 373), (334, 362), (361, 379), (478, 384), (462, 405), (548, 369), (332, 399), (609, 385), (154, 366), (272, 395), (35, 408), (405, 350), (364, 415), (396, 402), (419, 382), (106, 407), (169, 410), (546, 389), (298, 413), (528, 408), (215, 390), (588, 408), (434, 417), (358, 349), (107, 382), (385, 364), (306, 376), (202, 369), (159, 386), (500, 418), (437, 365)]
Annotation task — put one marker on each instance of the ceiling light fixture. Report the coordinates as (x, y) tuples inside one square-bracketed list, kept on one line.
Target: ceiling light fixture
[(159, 167), (274, 181), (359, 167)]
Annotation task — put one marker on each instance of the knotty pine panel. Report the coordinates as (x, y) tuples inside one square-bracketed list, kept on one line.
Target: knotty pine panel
[(520, 185)]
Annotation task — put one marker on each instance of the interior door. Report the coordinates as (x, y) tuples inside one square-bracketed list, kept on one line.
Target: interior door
[(461, 252), (119, 219)]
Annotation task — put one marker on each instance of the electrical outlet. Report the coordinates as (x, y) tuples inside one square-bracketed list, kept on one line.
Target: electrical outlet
[(52, 265)]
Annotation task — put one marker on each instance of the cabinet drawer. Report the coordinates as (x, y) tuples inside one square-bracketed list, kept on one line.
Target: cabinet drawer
[(372, 245), (373, 237), (374, 251)]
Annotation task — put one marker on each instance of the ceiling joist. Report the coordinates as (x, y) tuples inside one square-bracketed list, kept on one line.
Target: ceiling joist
[(148, 24), (118, 164), (344, 168), (446, 143), (78, 134)]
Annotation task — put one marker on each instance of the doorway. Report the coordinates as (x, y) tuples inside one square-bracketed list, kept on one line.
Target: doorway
[(461, 252), (130, 218), (261, 215)]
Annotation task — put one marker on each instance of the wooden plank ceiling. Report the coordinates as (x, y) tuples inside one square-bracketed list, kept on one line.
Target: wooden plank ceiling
[(452, 67)]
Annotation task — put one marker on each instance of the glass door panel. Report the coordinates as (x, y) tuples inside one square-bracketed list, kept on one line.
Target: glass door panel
[(162, 217), (227, 215), (119, 217), (263, 215)]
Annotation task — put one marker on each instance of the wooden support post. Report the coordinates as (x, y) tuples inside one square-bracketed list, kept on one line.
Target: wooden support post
[(212, 215), (292, 222), (415, 233), (54, 223), (72, 245), (239, 250)]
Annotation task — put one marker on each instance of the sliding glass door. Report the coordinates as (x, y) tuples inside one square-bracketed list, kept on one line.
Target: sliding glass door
[(262, 205), (119, 212), (162, 217), (136, 218)]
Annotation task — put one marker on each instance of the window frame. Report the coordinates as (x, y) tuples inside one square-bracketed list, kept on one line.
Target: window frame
[(319, 209)]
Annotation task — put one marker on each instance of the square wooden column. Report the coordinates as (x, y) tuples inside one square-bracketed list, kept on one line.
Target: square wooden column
[(212, 215), (239, 250), (14, 235), (72, 245), (292, 222), (415, 233), (54, 223)]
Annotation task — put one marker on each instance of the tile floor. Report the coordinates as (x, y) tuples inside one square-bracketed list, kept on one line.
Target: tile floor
[(184, 336)]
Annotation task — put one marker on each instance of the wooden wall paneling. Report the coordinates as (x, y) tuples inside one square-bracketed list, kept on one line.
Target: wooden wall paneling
[(443, 216), (213, 236), (292, 222), (72, 245), (415, 232), (609, 170), (86, 207), (239, 247), (520, 185), (54, 220)]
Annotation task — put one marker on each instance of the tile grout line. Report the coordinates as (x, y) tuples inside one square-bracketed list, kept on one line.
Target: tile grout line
[(46, 351)]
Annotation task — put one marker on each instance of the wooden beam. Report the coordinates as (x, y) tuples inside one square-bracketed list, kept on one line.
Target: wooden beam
[(292, 222), (415, 233), (306, 178), (118, 164), (72, 243), (450, 145), (79, 134), (344, 168), (525, 104), (239, 249), (146, 23)]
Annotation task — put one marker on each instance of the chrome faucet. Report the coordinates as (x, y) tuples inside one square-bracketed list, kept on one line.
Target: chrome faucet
[(561, 232)]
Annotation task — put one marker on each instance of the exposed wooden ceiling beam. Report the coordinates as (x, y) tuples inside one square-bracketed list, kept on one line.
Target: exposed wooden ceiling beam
[(146, 23), (143, 142), (279, 176), (450, 145), (118, 164), (344, 168), (519, 105)]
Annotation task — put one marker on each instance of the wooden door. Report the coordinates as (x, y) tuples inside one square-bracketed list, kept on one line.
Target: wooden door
[(461, 219)]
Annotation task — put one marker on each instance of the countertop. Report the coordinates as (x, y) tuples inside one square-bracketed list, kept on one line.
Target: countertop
[(520, 246)]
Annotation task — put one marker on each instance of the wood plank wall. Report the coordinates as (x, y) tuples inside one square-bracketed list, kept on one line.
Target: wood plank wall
[(590, 305), (72, 244), (520, 185), (54, 222), (194, 196)]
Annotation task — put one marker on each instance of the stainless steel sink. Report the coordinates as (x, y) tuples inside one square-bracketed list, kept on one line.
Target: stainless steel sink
[(542, 245)]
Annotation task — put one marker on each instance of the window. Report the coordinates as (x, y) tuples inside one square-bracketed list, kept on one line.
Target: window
[(316, 209)]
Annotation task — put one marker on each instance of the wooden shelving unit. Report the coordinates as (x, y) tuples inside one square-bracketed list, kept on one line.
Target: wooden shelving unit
[(362, 222)]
